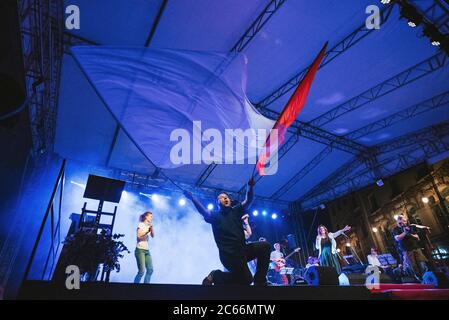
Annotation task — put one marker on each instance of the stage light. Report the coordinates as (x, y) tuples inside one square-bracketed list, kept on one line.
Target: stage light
[(410, 13), (78, 184), (380, 183), (146, 195), (182, 202), (155, 197), (338, 250), (436, 38), (264, 213), (385, 1), (322, 206), (348, 244), (274, 216), (210, 206), (255, 213), (425, 200), (374, 229)]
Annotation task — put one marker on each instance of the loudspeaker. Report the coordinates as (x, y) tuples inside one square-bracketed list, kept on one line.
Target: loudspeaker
[(12, 74), (316, 276), (438, 279), (351, 279)]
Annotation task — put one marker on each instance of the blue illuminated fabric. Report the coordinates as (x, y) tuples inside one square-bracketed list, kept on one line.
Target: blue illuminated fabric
[(153, 92)]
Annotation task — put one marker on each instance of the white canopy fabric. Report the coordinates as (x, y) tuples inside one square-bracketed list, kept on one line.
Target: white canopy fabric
[(152, 93)]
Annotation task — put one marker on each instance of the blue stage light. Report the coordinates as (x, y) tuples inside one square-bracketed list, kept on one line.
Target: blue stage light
[(274, 216), (264, 213), (155, 197), (255, 213), (182, 202), (78, 184), (210, 206)]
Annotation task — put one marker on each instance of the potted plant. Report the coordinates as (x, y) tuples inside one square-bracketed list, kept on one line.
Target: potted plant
[(88, 250)]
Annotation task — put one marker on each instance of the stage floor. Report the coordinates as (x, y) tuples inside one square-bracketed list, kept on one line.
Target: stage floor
[(124, 291), (127, 291)]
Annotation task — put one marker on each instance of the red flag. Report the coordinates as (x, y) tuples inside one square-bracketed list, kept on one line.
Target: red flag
[(291, 109)]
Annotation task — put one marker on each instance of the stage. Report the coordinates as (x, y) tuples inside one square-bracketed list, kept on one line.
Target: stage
[(303, 143), (42, 290)]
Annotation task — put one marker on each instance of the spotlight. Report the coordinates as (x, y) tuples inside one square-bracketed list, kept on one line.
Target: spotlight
[(385, 1), (374, 229), (425, 200), (338, 250), (380, 183), (348, 244), (410, 13), (274, 216), (146, 195), (210, 206), (430, 31), (78, 184), (255, 213), (264, 213), (182, 202), (155, 197), (322, 206)]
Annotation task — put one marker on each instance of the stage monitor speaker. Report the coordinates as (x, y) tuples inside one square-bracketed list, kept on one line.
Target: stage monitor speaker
[(12, 74), (316, 276), (438, 279), (351, 279), (105, 189)]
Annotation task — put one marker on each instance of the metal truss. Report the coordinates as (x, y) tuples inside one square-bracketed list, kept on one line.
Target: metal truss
[(146, 183), (258, 24), (437, 13), (304, 129), (422, 107), (341, 47), (71, 39), (303, 172), (319, 135), (414, 148), (417, 109), (431, 136), (398, 81), (41, 24)]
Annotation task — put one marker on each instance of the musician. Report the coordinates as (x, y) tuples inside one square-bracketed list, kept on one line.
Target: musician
[(277, 258), (234, 252), (327, 246), (276, 255), (142, 252), (373, 259), (413, 260), (312, 262)]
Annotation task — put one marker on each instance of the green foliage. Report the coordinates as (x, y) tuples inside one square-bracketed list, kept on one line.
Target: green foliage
[(87, 250)]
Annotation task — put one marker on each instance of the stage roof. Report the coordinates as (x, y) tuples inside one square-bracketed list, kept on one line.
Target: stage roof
[(285, 45)]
